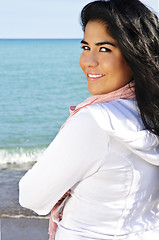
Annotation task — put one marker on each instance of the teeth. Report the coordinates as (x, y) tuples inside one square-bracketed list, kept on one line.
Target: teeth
[(95, 76)]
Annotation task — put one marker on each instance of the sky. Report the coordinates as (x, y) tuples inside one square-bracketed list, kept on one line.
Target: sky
[(45, 18)]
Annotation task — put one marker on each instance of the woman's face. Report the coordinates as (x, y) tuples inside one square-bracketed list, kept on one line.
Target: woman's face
[(102, 61)]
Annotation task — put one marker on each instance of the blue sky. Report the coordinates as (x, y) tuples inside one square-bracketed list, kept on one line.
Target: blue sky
[(45, 18)]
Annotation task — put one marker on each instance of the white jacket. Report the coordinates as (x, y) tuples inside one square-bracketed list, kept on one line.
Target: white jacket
[(110, 163)]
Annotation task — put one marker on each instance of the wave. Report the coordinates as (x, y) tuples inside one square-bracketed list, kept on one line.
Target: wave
[(20, 155), (23, 216)]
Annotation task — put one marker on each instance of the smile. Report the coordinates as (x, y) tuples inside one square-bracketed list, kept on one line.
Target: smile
[(95, 76)]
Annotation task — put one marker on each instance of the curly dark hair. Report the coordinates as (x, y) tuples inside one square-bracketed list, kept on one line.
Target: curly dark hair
[(136, 30)]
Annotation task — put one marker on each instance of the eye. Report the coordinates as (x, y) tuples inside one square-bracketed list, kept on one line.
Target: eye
[(85, 48), (104, 49)]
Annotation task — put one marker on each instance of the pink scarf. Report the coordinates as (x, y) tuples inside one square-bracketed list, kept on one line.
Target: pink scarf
[(126, 92)]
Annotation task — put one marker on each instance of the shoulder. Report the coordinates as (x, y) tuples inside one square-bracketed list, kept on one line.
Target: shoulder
[(117, 120), (121, 120), (118, 114)]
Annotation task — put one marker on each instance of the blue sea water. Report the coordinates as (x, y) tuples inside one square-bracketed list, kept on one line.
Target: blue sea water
[(39, 80)]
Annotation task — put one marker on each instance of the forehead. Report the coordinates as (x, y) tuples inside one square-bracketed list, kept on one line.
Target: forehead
[(97, 31)]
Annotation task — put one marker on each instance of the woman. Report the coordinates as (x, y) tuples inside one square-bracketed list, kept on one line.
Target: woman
[(107, 153)]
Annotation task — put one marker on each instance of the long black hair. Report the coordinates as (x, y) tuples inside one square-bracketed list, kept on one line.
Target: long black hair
[(136, 30)]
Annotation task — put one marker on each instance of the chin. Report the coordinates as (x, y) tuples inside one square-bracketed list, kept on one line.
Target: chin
[(95, 91)]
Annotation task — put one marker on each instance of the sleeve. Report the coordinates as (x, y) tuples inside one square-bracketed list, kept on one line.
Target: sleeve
[(75, 153)]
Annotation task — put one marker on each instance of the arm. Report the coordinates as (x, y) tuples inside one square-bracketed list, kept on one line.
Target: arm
[(74, 154)]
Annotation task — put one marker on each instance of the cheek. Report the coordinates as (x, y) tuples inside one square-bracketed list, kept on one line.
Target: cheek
[(121, 62), (121, 70), (125, 69), (114, 64), (108, 64)]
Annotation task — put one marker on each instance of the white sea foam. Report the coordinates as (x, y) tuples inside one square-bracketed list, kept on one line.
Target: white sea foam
[(19, 156), (23, 216)]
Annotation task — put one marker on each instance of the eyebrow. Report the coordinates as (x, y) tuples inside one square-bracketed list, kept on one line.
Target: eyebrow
[(99, 43)]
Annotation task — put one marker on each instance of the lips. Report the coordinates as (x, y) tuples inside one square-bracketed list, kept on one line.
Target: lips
[(94, 76)]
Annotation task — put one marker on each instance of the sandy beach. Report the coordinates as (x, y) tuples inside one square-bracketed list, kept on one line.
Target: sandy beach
[(16, 222), (24, 229)]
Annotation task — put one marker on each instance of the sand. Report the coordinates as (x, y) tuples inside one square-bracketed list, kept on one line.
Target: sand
[(24, 229)]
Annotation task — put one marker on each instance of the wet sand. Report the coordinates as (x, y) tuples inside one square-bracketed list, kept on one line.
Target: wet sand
[(24, 229)]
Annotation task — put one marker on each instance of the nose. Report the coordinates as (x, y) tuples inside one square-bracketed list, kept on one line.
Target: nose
[(90, 60)]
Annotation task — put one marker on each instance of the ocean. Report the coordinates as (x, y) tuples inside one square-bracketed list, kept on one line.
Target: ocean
[(39, 80)]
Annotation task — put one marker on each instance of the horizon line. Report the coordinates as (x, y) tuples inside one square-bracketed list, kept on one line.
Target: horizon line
[(39, 38)]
